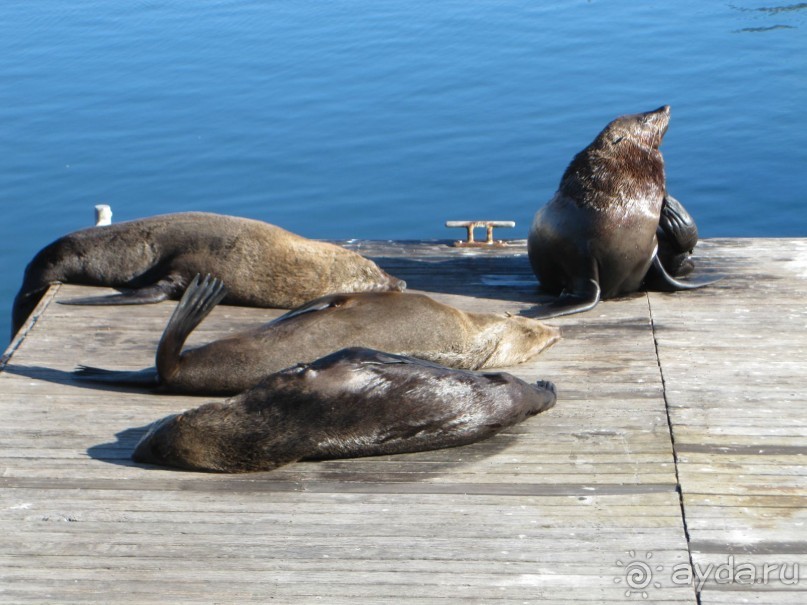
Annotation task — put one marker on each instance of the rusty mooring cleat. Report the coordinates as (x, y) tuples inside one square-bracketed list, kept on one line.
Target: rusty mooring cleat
[(471, 225)]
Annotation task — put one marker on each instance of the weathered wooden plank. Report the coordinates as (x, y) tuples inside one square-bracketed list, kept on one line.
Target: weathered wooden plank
[(734, 361), (754, 597), (302, 591), (124, 506)]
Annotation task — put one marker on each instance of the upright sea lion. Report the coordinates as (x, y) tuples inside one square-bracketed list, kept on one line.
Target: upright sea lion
[(597, 237), (409, 324), (155, 259), (355, 402)]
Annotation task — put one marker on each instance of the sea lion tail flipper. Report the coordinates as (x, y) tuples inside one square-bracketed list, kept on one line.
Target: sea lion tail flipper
[(168, 287), (199, 299), (569, 302), (141, 378), (319, 304), (658, 280)]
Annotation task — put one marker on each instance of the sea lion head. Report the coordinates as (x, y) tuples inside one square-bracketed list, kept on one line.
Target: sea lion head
[(367, 278), (517, 339), (646, 129), (173, 441), (391, 283), (622, 167)]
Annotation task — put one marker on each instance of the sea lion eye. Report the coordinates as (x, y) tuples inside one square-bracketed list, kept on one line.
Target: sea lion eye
[(616, 140)]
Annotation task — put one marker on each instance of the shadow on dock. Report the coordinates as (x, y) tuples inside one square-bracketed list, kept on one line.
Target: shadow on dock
[(504, 278)]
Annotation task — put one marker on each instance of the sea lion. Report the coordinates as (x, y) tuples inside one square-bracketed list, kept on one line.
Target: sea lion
[(597, 237), (355, 402), (404, 323), (155, 258)]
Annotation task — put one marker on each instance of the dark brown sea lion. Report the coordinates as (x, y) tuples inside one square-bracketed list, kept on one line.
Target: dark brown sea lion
[(355, 402), (407, 324), (598, 236), (155, 259)]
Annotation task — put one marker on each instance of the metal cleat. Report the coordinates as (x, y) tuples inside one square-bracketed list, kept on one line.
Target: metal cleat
[(471, 225)]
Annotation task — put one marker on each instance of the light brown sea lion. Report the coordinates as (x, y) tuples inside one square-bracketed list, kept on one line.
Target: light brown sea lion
[(355, 402), (404, 323), (155, 259), (597, 237)]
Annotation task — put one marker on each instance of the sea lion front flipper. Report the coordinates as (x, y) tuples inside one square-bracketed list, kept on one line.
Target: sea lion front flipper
[(676, 226), (366, 356), (677, 235), (658, 280), (320, 304), (570, 302), (199, 299), (168, 287), (549, 393)]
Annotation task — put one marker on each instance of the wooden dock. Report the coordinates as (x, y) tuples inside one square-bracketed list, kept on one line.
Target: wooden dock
[(676, 452)]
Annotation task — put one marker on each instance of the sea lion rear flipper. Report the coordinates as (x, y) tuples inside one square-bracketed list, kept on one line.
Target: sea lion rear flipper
[(319, 304), (168, 287), (142, 378), (199, 299), (197, 302), (658, 280), (569, 302)]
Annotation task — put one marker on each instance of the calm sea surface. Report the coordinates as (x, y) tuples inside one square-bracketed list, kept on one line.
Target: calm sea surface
[(368, 119)]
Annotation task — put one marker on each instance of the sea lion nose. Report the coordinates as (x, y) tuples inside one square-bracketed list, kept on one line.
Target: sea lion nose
[(395, 284), (662, 112)]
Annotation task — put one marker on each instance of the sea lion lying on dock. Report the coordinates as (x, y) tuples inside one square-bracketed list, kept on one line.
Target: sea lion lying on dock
[(155, 258), (355, 402), (408, 324), (598, 237)]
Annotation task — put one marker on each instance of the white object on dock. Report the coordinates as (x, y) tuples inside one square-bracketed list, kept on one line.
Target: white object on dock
[(103, 215)]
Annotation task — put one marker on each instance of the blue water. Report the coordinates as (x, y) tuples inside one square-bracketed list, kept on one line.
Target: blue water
[(371, 119)]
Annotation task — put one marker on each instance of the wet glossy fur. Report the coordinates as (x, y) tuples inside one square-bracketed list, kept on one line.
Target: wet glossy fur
[(356, 402)]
